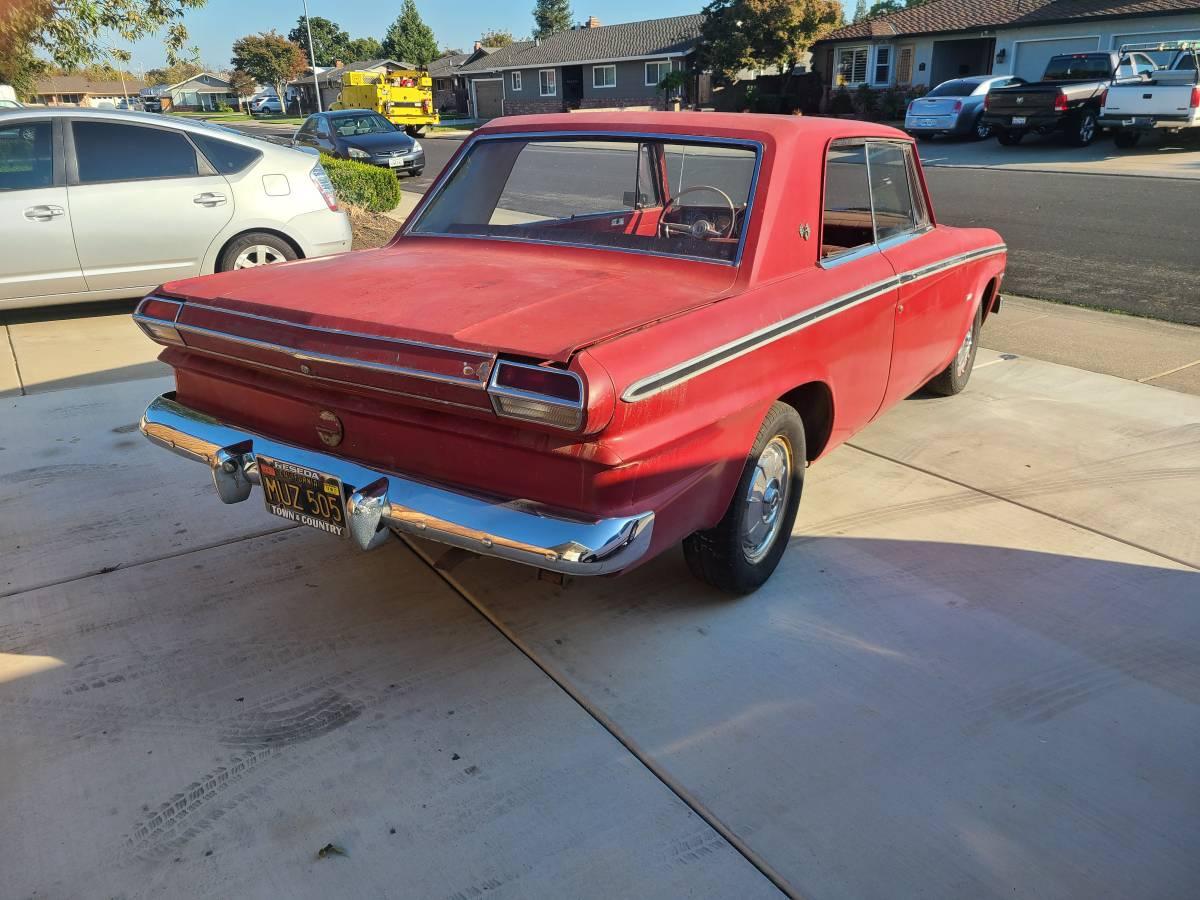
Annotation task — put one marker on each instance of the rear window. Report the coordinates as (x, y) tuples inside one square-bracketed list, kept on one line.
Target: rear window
[(1079, 68), (956, 88), (226, 157)]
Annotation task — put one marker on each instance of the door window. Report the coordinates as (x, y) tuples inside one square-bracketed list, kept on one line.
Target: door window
[(109, 151), (26, 156), (891, 193), (846, 221)]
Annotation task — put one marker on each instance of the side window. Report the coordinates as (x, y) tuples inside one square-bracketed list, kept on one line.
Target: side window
[(225, 156), (309, 126), (108, 151), (322, 126), (846, 221), (26, 156), (891, 194)]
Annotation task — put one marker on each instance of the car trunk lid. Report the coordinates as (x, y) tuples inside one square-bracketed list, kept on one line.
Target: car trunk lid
[(936, 106)]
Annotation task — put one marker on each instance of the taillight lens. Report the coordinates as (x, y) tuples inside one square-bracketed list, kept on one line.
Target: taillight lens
[(958, 106), (156, 317), (1104, 96), (427, 106), (1060, 103), (1194, 103), (321, 179), (537, 394), (987, 100)]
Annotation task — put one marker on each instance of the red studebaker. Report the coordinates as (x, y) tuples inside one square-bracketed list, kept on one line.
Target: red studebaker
[(597, 336)]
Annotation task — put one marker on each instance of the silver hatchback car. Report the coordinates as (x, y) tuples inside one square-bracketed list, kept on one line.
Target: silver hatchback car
[(106, 204)]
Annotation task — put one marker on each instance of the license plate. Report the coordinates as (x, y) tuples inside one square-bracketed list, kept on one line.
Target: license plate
[(395, 162), (926, 123), (303, 495), (1018, 120)]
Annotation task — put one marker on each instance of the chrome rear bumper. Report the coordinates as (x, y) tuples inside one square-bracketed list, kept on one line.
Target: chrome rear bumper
[(517, 530)]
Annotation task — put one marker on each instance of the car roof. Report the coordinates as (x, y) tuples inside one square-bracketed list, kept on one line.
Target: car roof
[(338, 113)]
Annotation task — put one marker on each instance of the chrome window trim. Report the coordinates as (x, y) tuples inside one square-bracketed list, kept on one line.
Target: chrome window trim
[(752, 194), (651, 385)]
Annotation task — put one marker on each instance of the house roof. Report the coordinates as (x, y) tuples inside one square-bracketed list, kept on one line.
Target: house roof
[(334, 73), (447, 65), (203, 78), (79, 84), (941, 16), (631, 40)]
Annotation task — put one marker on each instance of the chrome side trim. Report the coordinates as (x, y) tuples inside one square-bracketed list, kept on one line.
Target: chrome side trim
[(698, 365), (517, 530)]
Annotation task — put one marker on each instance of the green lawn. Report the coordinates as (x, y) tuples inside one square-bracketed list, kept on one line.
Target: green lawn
[(240, 117)]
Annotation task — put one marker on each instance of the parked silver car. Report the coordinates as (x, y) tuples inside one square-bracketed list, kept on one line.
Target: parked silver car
[(955, 107), (98, 205)]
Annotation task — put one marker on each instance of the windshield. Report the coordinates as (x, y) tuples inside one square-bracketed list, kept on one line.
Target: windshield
[(1079, 68), (676, 198), (364, 123), (957, 88)]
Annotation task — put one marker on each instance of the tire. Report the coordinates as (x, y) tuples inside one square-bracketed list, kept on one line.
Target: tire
[(414, 130), (1084, 130), (722, 556), (1127, 138), (1009, 138), (243, 251), (416, 173), (955, 376), (980, 130)]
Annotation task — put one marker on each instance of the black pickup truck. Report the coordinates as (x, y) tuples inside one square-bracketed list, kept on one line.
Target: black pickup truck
[(1068, 98)]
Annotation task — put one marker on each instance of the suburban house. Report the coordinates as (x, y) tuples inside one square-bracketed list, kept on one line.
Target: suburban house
[(76, 90), (944, 39), (330, 80), (591, 66), (205, 91), (449, 87)]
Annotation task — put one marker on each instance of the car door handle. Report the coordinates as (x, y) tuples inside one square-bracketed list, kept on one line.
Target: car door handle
[(43, 213), (209, 199)]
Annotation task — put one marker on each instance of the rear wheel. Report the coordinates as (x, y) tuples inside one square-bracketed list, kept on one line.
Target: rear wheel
[(1084, 130), (981, 130), (1009, 138), (255, 248), (955, 376), (1126, 138), (741, 552)]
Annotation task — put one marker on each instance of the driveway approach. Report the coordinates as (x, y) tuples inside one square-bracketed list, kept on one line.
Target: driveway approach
[(976, 674)]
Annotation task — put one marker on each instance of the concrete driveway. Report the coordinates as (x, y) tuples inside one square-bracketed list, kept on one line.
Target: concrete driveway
[(977, 673)]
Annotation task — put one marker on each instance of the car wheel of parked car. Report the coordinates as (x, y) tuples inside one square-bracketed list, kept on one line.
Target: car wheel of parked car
[(416, 173), (955, 376), (414, 131), (1127, 138), (1084, 130), (257, 248), (981, 130), (744, 548), (1009, 138)]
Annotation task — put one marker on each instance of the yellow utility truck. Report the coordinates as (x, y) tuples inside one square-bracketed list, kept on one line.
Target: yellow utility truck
[(405, 97)]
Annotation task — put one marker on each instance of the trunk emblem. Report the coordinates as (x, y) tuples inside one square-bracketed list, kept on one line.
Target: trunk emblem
[(1020, 99), (329, 428)]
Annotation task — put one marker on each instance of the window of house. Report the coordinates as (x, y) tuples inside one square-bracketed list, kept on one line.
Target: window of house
[(851, 65), (656, 72), (604, 76), (883, 65), (846, 222), (891, 192), (107, 151), (547, 84), (515, 80), (904, 61), (26, 156)]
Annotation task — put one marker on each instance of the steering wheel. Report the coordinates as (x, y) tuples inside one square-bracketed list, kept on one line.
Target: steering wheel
[(701, 228)]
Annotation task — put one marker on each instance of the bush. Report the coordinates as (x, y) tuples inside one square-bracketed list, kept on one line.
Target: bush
[(840, 104), (866, 102), (224, 107), (359, 184), (893, 103), (767, 103)]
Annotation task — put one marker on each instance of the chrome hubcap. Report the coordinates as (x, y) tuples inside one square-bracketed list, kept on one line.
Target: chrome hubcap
[(257, 255), (964, 352), (766, 498)]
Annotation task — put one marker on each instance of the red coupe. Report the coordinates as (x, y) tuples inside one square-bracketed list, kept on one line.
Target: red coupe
[(597, 336)]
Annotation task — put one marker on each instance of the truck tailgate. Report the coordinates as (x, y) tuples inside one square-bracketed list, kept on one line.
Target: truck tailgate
[(1148, 99)]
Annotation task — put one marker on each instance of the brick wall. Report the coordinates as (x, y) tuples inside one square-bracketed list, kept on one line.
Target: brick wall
[(620, 102), (513, 107)]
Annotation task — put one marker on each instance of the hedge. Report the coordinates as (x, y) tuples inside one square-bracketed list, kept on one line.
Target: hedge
[(359, 184)]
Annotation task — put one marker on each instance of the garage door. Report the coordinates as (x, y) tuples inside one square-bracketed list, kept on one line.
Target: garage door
[(489, 99), (1032, 56)]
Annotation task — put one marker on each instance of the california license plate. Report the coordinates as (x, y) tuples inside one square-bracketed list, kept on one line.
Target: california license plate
[(303, 495), (925, 123), (395, 162), (1018, 120)]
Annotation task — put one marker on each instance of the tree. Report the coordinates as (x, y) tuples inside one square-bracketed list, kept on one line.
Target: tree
[(496, 37), (757, 34), (363, 49), (269, 58), (330, 43), (73, 33), (884, 7), (551, 17), (860, 11), (180, 71), (243, 85), (409, 39)]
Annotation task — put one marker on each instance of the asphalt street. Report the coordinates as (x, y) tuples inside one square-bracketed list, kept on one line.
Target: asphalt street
[(1102, 241)]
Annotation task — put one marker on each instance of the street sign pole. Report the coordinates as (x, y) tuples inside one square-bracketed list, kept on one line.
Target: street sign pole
[(312, 57)]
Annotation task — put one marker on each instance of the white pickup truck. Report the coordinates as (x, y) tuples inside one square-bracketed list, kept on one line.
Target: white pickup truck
[(1166, 98)]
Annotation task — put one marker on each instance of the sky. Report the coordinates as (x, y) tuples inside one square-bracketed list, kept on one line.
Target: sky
[(456, 23)]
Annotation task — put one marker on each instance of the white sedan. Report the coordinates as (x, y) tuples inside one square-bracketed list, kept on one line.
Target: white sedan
[(100, 205)]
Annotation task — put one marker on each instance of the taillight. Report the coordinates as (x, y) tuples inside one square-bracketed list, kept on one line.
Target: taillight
[(1060, 102), (320, 178), (1104, 96), (156, 317), (987, 100), (958, 106), (427, 106), (1194, 103), (537, 394)]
